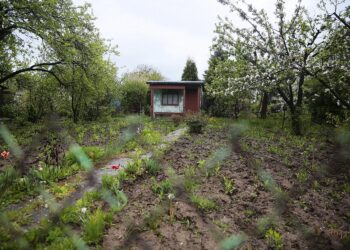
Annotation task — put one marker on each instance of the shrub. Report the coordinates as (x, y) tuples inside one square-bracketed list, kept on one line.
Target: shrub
[(133, 94), (195, 126), (94, 227), (195, 123)]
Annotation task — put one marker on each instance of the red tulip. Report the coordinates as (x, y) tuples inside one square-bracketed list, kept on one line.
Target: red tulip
[(5, 154), (116, 167)]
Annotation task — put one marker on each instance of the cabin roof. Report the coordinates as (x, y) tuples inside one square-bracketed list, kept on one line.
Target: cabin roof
[(184, 83)]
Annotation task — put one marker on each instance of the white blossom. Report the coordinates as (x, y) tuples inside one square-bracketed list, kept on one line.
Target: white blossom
[(171, 196)]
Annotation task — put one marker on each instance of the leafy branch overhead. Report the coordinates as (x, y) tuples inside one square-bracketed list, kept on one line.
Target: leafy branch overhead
[(40, 35)]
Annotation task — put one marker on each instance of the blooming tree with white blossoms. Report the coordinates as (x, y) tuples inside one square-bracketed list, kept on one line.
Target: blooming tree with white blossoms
[(281, 52)]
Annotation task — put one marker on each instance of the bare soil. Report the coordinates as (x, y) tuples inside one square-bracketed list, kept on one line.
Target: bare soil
[(311, 216)]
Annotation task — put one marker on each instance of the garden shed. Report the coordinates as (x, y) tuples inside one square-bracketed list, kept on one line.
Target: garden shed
[(175, 97)]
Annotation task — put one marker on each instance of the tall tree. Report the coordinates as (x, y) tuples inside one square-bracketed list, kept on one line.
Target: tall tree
[(134, 91), (284, 51), (52, 30), (223, 66), (190, 72)]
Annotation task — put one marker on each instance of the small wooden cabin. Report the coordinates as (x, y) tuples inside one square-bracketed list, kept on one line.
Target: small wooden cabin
[(175, 97)]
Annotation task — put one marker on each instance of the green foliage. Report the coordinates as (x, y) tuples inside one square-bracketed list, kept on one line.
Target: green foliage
[(229, 185), (324, 108), (203, 204), (274, 239), (75, 214), (195, 123), (133, 90), (264, 224), (161, 188), (302, 175), (57, 239), (190, 72), (116, 199), (61, 243), (152, 167), (150, 136), (134, 168), (153, 219), (133, 95), (7, 177), (71, 214), (73, 78), (94, 226), (110, 182), (49, 173), (94, 153), (190, 182), (61, 191)]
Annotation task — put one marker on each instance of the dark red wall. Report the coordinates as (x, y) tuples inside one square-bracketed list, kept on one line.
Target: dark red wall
[(192, 101)]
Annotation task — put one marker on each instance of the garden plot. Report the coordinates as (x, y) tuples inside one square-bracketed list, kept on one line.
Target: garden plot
[(228, 186), (120, 163), (256, 198)]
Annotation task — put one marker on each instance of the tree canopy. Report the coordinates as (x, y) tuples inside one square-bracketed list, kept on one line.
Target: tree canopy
[(133, 90), (190, 72), (55, 46), (277, 55), (40, 35)]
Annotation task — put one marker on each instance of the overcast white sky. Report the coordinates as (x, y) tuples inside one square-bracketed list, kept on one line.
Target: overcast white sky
[(164, 33)]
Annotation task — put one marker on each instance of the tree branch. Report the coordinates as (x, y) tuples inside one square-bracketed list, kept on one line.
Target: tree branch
[(326, 85), (341, 20), (35, 67)]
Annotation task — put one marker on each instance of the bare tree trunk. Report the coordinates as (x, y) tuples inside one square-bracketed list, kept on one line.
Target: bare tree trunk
[(264, 104), (296, 122)]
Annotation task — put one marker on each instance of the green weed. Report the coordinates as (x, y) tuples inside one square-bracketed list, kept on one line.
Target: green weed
[(203, 204), (302, 176), (249, 213), (264, 224), (134, 168), (153, 219), (94, 226), (152, 166), (110, 182), (161, 188), (228, 185), (274, 239)]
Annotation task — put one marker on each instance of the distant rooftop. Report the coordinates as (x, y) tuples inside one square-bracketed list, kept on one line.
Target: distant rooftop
[(176, 82)]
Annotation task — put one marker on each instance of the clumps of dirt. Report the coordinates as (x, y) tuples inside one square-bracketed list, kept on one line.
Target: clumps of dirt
[(315, 212)]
